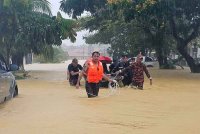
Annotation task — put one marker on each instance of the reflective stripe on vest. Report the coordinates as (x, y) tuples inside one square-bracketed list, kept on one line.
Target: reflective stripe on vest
[(95, 73)]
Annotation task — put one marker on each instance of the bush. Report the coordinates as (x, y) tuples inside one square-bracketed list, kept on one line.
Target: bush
[(58, 56)]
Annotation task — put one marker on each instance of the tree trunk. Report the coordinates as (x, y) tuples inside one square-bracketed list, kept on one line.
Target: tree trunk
[(18, 60), (195, 68), (183, 43), (7, 56), (160, 52), (160, 58), (158, 43)]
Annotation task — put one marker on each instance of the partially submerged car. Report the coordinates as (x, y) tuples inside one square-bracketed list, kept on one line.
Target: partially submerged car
[(8, 85), (148, 61)]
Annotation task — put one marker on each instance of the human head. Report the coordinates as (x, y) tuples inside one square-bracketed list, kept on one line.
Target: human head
[(75, 62), (132, 60), (139, 58), (124, 58), (95, 56)]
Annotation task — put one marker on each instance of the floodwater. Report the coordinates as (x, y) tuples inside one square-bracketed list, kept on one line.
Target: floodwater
[(48, 105)]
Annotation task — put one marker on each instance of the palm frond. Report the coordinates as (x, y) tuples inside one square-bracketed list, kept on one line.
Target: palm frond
[(41, 6)]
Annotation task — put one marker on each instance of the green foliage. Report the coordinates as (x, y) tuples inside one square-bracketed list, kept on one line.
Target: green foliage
[(27, 26), (75, 8), (67, 27), (162, 25)]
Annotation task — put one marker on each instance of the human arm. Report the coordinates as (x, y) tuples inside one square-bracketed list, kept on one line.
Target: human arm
[(74, 73), (79, 79), (147, 74), (75, 70), (80, 67), (68, 75), (107, 78), (84, 70), (125, 69)]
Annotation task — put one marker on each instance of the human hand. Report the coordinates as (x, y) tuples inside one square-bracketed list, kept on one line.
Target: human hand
[(118, 72), (114, 81), (77, 86), (151, 81), (110, 80)]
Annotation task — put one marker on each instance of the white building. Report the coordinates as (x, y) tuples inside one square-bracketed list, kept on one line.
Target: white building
[(85, 51)]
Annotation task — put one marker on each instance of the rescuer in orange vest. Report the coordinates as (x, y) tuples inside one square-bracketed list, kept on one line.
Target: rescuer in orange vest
[(93, 69)]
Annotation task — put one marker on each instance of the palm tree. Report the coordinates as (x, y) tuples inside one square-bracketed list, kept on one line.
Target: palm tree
[(67, 27), (28, 26), (33, 5), (11, 12)]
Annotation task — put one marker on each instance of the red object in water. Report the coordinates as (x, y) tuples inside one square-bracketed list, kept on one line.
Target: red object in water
[(105, 59)]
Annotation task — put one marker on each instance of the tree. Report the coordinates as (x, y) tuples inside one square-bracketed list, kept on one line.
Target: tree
[(114, 21), (160, 20), (75, 8), (125, 38), (27, 26), (185, 24), (58, 56), (11, 12), (151, 19), (183, 18)]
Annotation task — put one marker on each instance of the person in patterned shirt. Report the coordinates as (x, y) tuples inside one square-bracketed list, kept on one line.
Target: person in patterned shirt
[(138, 72)]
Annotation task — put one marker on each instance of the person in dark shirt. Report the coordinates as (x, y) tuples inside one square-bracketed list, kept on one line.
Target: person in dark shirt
[(128, 74), (73, 71), (123, 63), (113, 65)]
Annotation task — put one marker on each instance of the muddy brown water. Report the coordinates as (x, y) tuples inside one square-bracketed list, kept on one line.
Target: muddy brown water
[(48, 105)]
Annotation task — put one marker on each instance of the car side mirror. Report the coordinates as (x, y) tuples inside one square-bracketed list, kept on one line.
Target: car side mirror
[(14, 67)]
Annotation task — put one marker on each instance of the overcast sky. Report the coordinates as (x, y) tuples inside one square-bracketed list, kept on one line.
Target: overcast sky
[(55, 4)]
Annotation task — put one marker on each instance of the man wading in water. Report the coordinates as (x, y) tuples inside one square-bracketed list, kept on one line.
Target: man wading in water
[(93, 70), (138, 70)]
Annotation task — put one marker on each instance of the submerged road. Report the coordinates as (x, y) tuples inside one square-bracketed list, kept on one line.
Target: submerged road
[(48, 105)]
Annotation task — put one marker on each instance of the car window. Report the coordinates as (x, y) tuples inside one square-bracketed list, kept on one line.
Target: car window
[(148, 59)]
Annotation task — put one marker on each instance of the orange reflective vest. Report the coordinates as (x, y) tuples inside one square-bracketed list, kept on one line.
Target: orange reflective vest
[(95, 73)]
